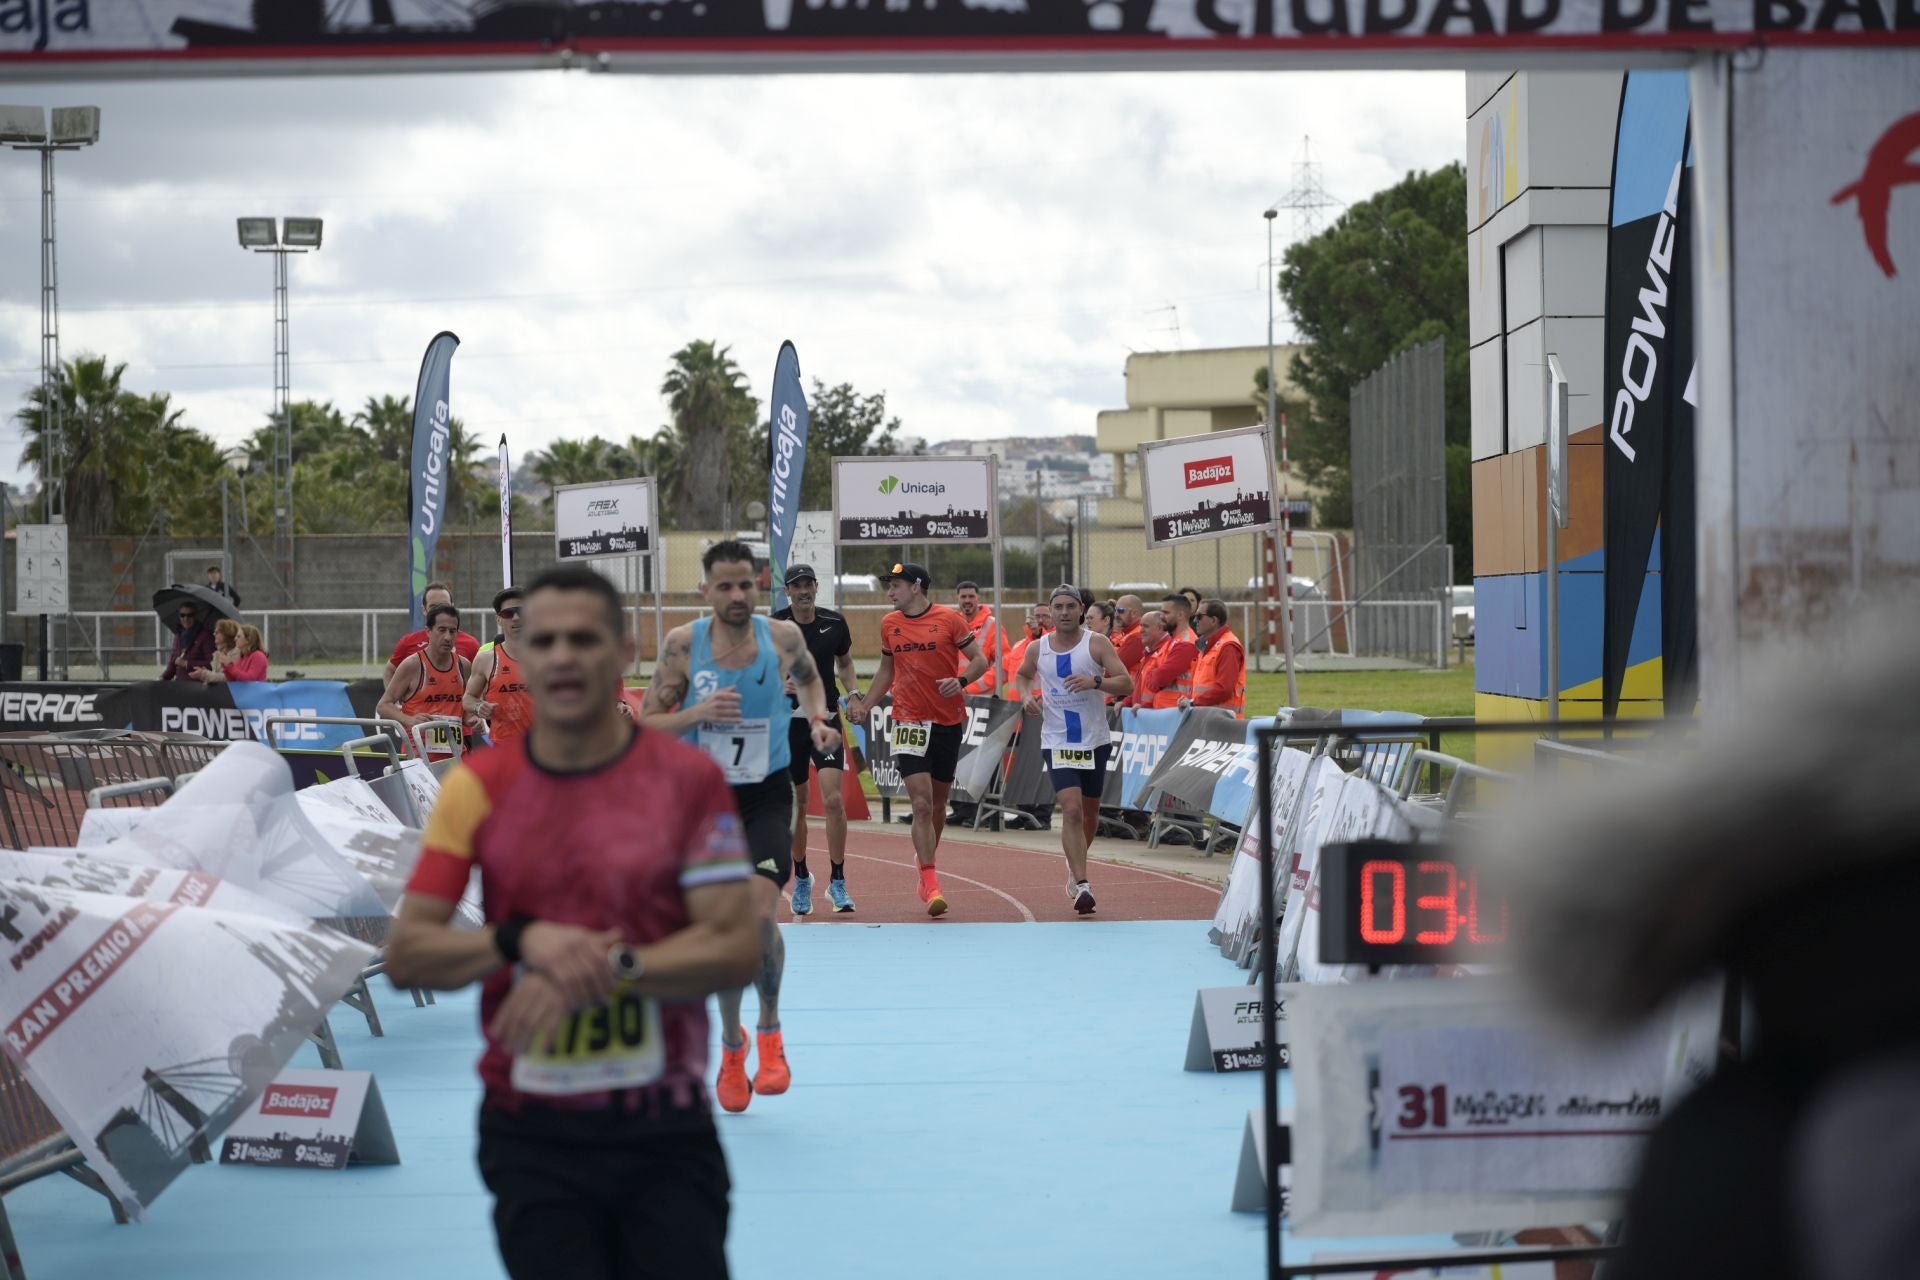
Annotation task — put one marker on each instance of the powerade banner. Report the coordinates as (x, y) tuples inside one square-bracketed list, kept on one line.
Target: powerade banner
[(51, 707), (68, 39), (1649, 387), (788, 465), (1145, 737), (233, 711), (1234, 793), (1206, 744), (432, 432)]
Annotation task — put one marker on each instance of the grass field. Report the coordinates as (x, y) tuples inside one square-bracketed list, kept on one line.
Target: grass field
[(1426, 693)]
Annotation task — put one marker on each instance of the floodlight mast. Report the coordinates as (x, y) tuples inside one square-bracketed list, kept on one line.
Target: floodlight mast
[(292, 235)]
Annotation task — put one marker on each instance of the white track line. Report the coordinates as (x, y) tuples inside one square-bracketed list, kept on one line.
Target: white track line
[(1018, 905), (1206, 886)]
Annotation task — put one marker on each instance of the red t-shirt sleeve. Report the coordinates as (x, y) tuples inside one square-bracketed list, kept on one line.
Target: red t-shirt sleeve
[(715, 850), (466, 646), (408, 643), (958, 629)]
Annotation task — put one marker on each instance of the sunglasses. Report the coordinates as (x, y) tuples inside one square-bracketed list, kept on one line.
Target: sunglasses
[(508, 613)]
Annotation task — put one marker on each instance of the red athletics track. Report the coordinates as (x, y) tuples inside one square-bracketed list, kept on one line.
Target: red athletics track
[(991, 884)]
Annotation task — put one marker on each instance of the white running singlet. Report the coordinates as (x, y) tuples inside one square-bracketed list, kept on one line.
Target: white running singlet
[(1070, 719)]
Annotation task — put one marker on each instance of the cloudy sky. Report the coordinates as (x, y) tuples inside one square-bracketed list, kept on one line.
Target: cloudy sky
[(984, 249)]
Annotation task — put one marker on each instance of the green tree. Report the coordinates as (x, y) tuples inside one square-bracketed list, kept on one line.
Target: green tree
[(125, 456), (1389, 275), (843, 423), (567, 462), (711, 406)]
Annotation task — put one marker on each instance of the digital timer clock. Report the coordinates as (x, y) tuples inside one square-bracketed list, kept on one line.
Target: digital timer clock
[(1388, 903)]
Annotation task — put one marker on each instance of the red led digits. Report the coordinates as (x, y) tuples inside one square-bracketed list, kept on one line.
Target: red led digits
[(1446, 903), (1370, 930), (1473, 915)]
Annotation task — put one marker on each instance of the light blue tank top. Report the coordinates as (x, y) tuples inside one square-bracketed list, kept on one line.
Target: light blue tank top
[(755, 747)]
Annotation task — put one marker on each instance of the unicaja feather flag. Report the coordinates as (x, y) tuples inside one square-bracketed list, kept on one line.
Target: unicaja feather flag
[(788, 445), (427, 481), (506, 518)]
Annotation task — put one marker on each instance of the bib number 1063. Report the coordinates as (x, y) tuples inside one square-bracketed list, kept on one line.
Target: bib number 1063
[(911, 739)]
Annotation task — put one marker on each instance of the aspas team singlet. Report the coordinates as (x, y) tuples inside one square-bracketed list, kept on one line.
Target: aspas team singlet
[(439, 694), (748, 750), (512, 704)]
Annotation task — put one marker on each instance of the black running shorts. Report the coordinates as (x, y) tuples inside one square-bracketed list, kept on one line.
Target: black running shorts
[(1090, 782), (941, 759), (800, 752), (766, 813), (595, 1196)]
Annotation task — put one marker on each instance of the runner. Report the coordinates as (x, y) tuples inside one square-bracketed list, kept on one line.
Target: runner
[(1075, 669), (414, 641), (738, 666), (497, 698), (920, 647), (980, 622), (614, 881), (428, 683), (831, 644)]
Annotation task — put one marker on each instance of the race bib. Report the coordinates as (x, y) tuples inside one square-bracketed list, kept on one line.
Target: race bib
[(442, 735), (1080, 758), (911, 739), (740, 747), (616, 1045)]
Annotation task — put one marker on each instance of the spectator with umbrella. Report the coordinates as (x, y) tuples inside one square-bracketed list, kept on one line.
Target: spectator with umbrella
[(190, 612)]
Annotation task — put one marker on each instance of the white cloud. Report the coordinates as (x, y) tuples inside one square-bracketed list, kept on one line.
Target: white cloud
[(984, 249)]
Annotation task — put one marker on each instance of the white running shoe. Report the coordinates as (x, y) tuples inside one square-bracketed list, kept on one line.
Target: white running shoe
[(1082, 894)]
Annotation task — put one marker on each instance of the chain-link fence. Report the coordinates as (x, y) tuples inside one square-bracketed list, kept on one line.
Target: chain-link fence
[(1401, 557)]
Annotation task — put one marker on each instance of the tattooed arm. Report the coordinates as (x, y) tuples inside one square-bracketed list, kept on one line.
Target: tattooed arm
[(666, 695)]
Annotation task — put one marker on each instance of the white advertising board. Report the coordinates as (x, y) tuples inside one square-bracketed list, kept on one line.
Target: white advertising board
[(1208, 486), (310, 1119), (813, 545), (605, 518), (890, 500), (146, 1026), (40, 569), (1448, 1105)]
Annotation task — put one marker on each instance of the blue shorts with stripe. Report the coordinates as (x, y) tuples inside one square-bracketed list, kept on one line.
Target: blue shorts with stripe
[(1088, 782)]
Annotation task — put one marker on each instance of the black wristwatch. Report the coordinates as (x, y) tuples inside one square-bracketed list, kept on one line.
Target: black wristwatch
[(506, 937)]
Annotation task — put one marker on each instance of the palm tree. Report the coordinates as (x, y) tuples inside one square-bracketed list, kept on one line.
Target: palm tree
[(707, 394), (577, 462), (107, 444)]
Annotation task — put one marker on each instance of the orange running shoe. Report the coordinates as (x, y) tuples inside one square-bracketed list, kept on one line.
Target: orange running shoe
[(774, 1075), (930, 892), (733, 1088)]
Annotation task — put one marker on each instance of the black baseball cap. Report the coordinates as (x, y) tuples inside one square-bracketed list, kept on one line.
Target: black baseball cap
[(800, 573), (911, 572)]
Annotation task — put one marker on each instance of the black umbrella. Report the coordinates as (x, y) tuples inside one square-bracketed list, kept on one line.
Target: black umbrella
[(212, 605)]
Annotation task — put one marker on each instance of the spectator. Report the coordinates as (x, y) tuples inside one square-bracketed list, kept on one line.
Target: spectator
[(226, 638), (1100, 619), (1192, 598), (414, 641), (1220, 669), (1128, 640), (217, 581), (1039, 622), (1167, 679), (247, 664), (192, 648), (988, 632)]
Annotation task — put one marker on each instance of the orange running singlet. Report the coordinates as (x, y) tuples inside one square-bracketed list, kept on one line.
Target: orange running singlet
[(512, 704)]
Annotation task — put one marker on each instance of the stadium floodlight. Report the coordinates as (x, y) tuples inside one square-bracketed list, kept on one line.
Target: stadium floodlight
[(257, 233), (23, 124), (300, 233), (76, 126)]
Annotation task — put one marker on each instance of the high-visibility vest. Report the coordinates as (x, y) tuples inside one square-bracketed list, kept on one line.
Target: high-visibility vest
[(1182, 685), (1206, 681), (987, 632)]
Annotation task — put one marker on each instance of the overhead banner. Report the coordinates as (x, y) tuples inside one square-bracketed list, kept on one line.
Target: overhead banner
[(891, 500), (603, 518), (71, 38), (787, 468), (1650, 392), (506, 516), (1212, 485), (141, 1063), (427, 481)]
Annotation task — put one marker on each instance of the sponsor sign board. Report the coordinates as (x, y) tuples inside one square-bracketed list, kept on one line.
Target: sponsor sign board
[(1225, 1035), (313, 1120), (1145, 737), (51, 707), (1208, 486), (894, 500), (605, 518), (40, 569)]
